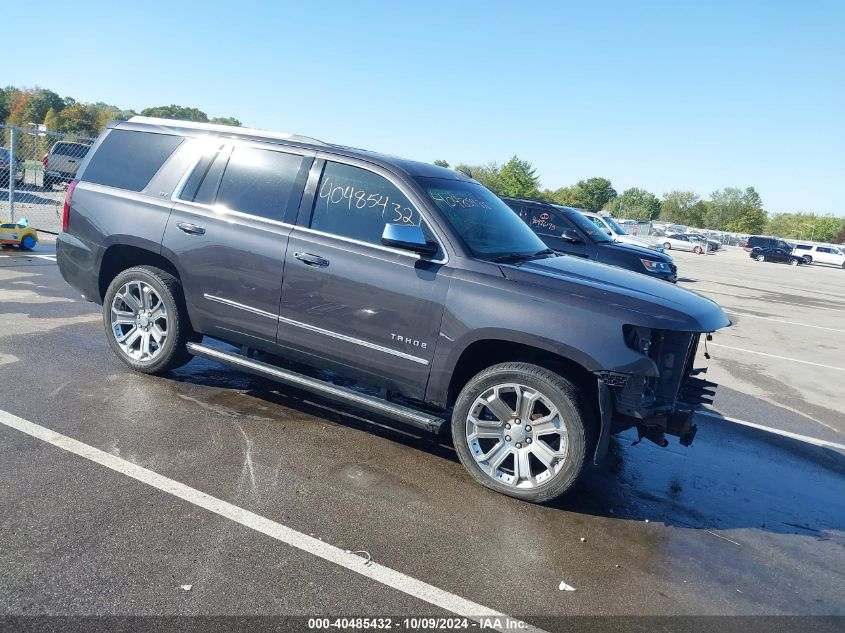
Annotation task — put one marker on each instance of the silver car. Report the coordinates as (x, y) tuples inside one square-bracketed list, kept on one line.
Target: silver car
[(683, 242)]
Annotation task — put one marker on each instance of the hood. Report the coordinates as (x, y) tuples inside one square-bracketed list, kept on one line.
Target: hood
[(636, 299), (642, 251), (636, 241)]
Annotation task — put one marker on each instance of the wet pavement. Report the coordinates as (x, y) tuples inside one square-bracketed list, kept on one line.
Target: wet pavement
[(744, 522)]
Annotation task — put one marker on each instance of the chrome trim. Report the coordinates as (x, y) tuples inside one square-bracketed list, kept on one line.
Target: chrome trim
[(240, 306), (380, 247), (219, 213), (350, 339), (316, 330), (406, 414)]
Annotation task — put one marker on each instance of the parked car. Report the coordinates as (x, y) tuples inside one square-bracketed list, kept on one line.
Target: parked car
[(565, 230), (412, 281), (5, 166), (779, 255), (813, 254), (614, 230), (713, 245), (62, 162), (18, 234), (758, 241), (684, 242)]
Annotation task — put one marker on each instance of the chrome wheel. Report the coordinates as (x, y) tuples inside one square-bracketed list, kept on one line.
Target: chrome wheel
[(139, 320), (516, 436)]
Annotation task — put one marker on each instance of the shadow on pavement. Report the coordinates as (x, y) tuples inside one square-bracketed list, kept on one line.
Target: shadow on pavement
[(733, 477)]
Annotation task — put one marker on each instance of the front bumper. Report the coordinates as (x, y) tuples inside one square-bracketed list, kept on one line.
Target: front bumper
[(661, 405)]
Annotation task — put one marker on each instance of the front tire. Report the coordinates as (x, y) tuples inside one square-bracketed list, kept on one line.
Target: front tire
[(697, 250), (146, 320), (667, 246), (793, 262), (523, 431), (761, 258), (808, 259)]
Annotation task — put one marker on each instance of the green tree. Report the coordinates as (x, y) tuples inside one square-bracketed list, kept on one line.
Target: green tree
[(805, 226), (176, 112), (676, 207), (752, 221), (728, 205), (52, 121), (518, 178), (487, 175), (441, 163), (839, 238), (226, 120), (635, 204), (80, 118), (592, 194), (39, 103)]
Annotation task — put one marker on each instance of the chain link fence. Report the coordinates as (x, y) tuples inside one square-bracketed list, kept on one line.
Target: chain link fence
[(35, 169)]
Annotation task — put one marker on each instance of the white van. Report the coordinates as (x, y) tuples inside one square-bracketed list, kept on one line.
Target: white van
[(612, 228)]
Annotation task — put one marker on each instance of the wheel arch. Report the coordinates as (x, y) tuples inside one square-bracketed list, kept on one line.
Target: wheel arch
[(485, 352), (118, 257)]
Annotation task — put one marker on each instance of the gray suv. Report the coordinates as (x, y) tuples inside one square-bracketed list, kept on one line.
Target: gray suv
[(296, 260)]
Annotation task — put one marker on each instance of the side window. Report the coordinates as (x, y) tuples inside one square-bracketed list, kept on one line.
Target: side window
[(543, 221), (356, 203), (201, 185), (258, 182), (129, 160)]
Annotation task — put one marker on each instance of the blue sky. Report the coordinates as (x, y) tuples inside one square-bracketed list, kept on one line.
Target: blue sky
[(660, 95)]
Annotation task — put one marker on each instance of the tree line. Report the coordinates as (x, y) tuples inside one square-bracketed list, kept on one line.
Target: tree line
[(730, 209), (25, 106)]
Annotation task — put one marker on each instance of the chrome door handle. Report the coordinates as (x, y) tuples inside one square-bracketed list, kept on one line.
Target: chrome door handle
[(191, 229), (312, 260)]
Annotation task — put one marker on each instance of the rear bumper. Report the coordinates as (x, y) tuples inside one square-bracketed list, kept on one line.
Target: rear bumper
[(78, 266)]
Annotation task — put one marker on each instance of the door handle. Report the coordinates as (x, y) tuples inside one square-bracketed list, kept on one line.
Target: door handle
[(312, 260), (191, 229)]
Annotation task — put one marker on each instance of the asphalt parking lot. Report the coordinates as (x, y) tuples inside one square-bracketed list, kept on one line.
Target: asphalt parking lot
[(213, 493)]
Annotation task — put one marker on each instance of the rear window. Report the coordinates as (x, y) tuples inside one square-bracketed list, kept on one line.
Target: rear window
[(129, 160), (77, 150)]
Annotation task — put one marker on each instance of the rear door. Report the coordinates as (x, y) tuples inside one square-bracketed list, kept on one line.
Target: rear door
[(228, 232), (349, 303), (824, 255)]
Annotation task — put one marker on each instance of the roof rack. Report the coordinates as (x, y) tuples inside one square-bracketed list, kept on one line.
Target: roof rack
[(225, 129)]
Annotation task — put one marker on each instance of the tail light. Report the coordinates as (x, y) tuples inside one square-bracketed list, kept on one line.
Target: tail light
[(66, 209), (44, 161)]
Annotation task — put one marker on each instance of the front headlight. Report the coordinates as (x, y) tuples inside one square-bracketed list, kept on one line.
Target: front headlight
[(656, 267)]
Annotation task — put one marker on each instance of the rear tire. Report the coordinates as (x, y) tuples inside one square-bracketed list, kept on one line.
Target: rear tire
[(146, 320), (667, 246), (793, 262), (697, 250), (531, 441)]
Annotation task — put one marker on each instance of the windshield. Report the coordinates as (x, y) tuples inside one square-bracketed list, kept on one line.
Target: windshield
[(616, 228), (588, 227), (486, 224)]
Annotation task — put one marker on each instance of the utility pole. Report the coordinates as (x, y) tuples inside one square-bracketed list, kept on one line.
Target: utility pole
[(12, 172)]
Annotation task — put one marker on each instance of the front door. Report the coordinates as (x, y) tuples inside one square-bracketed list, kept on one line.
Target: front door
[(367, 310), (228, 234)]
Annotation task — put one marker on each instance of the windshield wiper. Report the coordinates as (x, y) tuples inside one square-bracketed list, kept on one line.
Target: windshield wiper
[(517, 257)]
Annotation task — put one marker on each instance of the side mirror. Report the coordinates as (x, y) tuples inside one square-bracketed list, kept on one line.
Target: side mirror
[(408, 238), (570, 235)]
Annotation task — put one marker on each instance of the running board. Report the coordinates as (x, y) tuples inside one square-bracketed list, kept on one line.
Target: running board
[(419, 419)]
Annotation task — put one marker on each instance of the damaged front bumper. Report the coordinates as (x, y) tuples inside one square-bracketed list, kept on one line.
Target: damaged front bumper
[(658, 405)]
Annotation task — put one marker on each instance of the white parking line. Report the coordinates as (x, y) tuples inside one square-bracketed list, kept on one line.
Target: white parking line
[(754, 316), (793, 360), (384, 575), (795, 436)]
